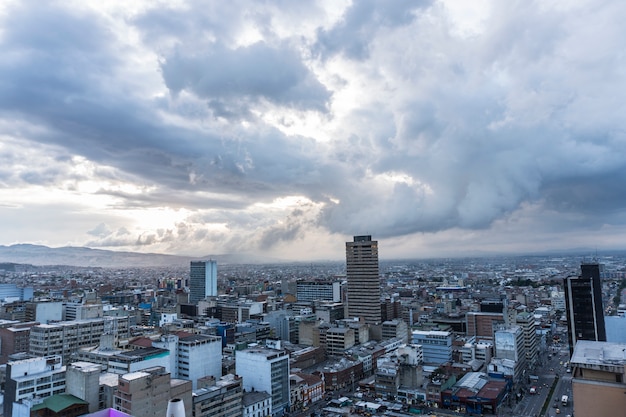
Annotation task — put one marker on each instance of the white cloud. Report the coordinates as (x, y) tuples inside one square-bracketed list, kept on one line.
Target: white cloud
[(209, 127)]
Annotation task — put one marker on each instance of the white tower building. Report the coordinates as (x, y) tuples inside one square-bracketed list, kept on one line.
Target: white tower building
[(264, 369)]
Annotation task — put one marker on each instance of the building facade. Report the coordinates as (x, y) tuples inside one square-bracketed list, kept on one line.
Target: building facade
[(66, 338), (436, 345), (222, 398), (584, 310), (33, 377), (202, 280), (598, 378), (193, 356), (82, 379), (265, 369), (318, 290), (143, 393), (363, 290)]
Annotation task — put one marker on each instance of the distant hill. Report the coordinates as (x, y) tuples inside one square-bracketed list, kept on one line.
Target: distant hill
[(87, 257)]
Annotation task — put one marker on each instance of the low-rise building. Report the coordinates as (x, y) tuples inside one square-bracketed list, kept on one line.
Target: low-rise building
[(598, 372)]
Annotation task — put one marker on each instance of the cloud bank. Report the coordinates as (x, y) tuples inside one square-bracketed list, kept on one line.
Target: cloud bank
[(283, 129)]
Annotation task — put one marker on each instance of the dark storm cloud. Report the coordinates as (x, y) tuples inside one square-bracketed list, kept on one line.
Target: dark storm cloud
[(496, 120), (415, 126), (69, 85), (255, 72)]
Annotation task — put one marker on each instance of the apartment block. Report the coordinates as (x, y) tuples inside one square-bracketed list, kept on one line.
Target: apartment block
[(221, 398), (147, 393), (32, 377), (65, 338), (318, 291)]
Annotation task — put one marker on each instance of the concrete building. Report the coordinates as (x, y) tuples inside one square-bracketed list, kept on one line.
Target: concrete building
[(598, 378), (583, 300), (330, 312), (82, 311), (256, 404), (44, 311), (436, 345), (482, 324), (363, 290), (193, 356), (395, 329), (15, 339), (510, 348), (202, 280), (318, 291), (343, 373), (147, 393), (338, 340), (137, 360), (361, 330), (11, 292), (526, 321), (66, 338), (265, 369), (235, 311), (387, 378), (82, 379), (221, 398), (32, 377)]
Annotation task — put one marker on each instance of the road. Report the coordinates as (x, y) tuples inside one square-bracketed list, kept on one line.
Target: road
[(551, 368)]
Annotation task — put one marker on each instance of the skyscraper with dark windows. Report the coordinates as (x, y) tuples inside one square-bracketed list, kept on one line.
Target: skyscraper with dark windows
[(583, 301), (363, 289), (202, 280)]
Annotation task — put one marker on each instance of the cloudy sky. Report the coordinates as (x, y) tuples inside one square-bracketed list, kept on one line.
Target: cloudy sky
[(283, 128)]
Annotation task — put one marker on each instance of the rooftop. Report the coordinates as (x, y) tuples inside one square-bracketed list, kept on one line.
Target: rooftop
[(588, 352)]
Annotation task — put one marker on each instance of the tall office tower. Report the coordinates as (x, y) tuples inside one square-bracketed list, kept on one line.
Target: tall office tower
[(202, 280), (363, 290), (583, 301)]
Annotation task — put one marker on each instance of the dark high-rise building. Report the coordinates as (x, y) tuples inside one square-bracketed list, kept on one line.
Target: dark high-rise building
[(363, 291), (583, 301), (202, 280)]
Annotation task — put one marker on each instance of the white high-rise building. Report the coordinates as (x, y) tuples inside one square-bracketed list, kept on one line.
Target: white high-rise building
[(202, 280), (193, 357), (265, 369)]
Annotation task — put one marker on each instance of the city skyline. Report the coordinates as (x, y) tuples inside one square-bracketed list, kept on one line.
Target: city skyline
[(441, 128)]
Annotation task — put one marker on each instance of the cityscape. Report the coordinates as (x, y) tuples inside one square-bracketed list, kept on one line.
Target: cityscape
[(322, 208), (534, 335)]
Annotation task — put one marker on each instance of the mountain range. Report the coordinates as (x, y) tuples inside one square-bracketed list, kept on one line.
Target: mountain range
[(87, 257)]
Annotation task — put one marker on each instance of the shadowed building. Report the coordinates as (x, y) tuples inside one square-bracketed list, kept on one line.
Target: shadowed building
[(583, 301), (363, 290)]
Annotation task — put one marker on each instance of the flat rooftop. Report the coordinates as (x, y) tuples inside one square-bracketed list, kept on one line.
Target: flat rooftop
[(588, 352)]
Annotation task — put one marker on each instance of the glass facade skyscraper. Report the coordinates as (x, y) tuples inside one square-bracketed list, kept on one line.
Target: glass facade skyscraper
[(202, 280)]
